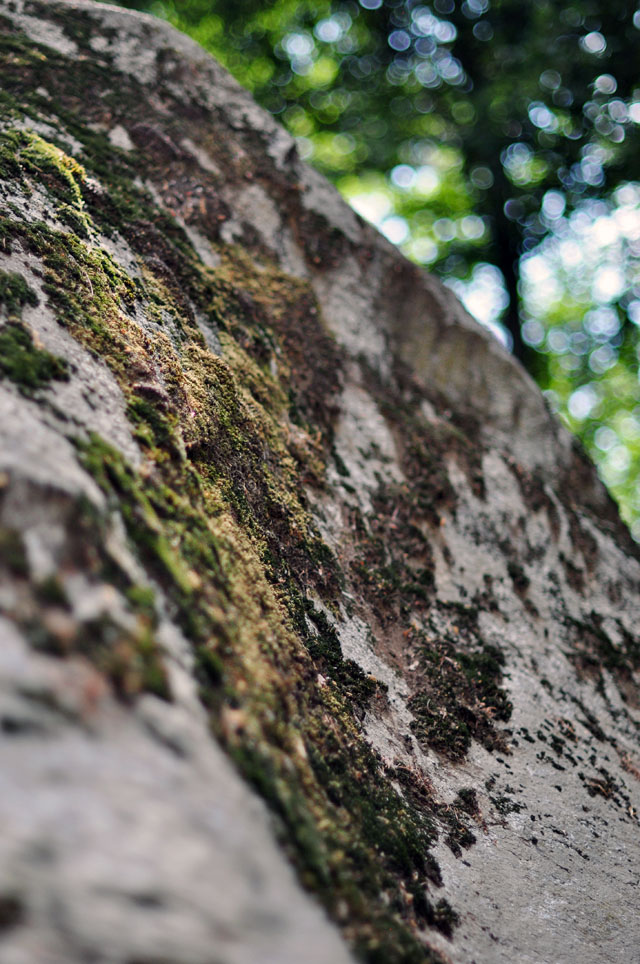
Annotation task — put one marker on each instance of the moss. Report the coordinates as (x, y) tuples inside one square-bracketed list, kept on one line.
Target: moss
[(26, 156), (505, 805), (29, 367), (467, 800), (142, 599), (484, 672), (9, 165), (459, 836), (123, 648), (346, 829), (13, 554), (152, 426), (223, 672), (142, 508), (15, 293), (129, 657), (393, 565), (51, 592), (445, 918), (324, 647), (50, 164), (297, 826), (217, 513), (437, 727), (518, 577), (74, 219), (209, 669), (461, 695)]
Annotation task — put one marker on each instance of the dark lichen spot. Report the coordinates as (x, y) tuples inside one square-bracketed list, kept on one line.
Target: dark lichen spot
[(12, 911), (518, 577)]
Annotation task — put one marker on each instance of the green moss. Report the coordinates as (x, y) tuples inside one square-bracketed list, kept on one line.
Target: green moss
[(130, 658), (10, 142), (505, 805), (346, 829), (28, 158), (13, 554), (74, 219), (139, 505), (324, 647), (467, 800), (142, 599), (461, 694), (217, 515), (153, 427), (29, 367), (209, 669), (51, 592), (436, 726), (297, 826), (50, 164), (15, 293), (125, 650)]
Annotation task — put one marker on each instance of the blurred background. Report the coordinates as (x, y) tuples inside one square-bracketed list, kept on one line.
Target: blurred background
[(496, 142)]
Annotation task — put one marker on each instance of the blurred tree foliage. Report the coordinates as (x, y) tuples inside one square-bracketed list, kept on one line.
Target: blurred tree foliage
[(496, 141)]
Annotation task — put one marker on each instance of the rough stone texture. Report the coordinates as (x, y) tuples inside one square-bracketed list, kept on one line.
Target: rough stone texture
[(278, 520)]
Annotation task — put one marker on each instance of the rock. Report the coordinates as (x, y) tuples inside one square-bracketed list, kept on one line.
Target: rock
[(319, 634)]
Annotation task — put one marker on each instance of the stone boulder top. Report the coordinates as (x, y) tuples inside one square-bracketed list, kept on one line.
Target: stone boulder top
[(319, 632)]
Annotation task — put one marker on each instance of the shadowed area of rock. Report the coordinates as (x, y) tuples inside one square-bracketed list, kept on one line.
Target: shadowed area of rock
[(318, 633)]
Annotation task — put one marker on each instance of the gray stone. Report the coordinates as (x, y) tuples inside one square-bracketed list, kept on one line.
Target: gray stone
[(469, 556)]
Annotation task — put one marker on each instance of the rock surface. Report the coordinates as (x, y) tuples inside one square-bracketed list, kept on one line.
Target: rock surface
[(319, 635)]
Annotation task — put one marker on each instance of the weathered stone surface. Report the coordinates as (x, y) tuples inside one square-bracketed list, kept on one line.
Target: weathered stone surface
[(278, 520)]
